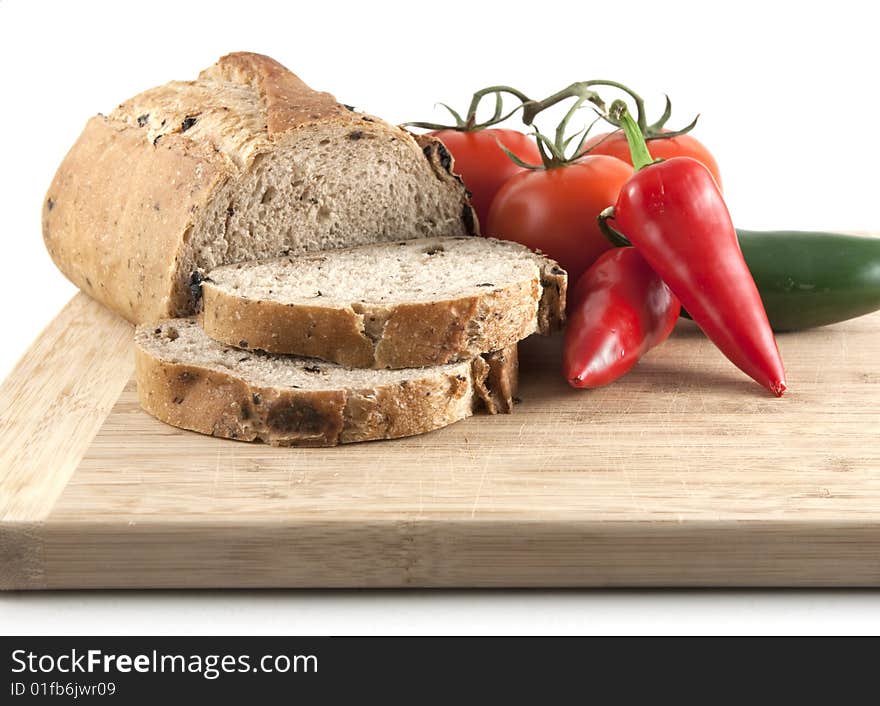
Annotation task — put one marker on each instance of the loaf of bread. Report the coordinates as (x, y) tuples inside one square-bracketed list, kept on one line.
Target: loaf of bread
[(190, 381), (410, 303), (246, 162)]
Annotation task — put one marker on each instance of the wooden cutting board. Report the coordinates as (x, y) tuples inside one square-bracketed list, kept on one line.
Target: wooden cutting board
[(685, 473)]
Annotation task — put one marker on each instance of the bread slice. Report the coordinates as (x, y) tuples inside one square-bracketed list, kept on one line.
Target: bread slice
[(245, 162), (189, 380), (406, 304)]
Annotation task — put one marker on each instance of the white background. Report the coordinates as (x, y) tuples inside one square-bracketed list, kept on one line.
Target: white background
[(787, 94)]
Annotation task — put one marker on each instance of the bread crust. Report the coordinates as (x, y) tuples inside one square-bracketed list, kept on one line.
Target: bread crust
[(221, 404), (402, 335), (496, 377), (114, 219), (130, 192), (554, 292), (288, 102)]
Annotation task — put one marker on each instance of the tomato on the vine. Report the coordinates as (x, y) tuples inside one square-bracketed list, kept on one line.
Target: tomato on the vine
[(548, 193), (483, 165), (614, 144), (554, 210)]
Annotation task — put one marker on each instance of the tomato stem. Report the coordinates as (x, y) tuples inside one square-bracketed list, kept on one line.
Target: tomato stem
[(584, 89), (557, 152), (638, 148), (469, 122), (579, 89)]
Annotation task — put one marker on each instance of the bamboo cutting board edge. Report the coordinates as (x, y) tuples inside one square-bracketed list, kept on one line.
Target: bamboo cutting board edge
[(55, 400), (482, 554)]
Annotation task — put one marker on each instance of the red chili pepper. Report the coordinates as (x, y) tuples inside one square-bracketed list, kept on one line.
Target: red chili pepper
[(674, 214), (620, 310)]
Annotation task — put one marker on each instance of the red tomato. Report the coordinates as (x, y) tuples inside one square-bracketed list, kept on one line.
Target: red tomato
[(483, 165), (555, 210), (664, 148)]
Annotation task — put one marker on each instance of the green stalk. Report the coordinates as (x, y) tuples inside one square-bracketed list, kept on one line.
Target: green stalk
[(469, 123), (638, 148), (615, 237)]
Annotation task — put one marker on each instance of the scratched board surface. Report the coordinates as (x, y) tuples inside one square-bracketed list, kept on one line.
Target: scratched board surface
[(683, 473)]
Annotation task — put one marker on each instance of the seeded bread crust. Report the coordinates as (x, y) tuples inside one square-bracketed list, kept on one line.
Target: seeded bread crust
[(215, 399), (378, 334), (140, 200)]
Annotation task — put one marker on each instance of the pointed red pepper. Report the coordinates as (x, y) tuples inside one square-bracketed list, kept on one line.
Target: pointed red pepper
[(620, 309), (673, 213)]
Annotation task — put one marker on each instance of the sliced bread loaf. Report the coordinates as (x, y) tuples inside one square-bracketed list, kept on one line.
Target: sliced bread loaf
[(245, 162), (405, 304), (188, 380)]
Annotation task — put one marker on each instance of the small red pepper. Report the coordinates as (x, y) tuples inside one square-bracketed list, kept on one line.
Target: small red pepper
[(672, 211), (620, 309)]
